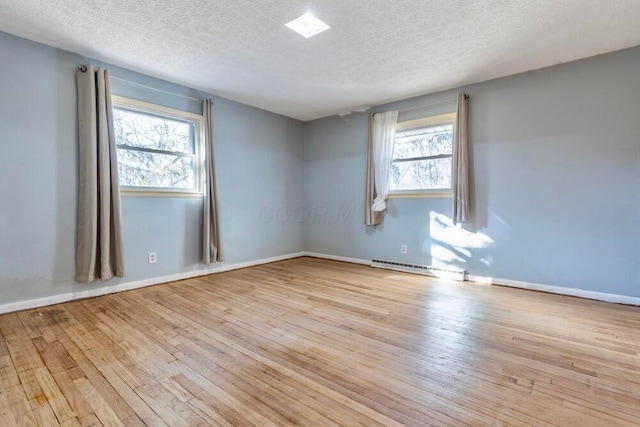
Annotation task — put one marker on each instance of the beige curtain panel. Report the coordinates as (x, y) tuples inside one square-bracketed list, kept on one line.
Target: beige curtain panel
[(99, 245), (371, 217), (460, 181), (211, 250)]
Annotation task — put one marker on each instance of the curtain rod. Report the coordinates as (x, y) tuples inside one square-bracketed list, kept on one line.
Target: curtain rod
[(156, 89), (431, 103), (83, 68)]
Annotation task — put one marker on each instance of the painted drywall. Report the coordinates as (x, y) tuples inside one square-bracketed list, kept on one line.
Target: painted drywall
[(259, 166), (556, 182)]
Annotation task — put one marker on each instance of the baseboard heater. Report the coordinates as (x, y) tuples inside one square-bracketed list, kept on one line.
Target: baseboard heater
[(427, 270)]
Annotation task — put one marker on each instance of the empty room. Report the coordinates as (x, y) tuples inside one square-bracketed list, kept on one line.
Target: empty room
[(320, 213)]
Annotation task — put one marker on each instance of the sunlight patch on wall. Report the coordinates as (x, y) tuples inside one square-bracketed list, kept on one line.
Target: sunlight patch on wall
[(448, 256), (453, 245)]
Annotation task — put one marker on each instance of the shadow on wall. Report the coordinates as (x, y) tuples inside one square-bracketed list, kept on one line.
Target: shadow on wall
[(453, 246)]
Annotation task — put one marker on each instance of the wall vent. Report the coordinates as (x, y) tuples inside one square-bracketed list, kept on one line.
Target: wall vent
[(426, 270)]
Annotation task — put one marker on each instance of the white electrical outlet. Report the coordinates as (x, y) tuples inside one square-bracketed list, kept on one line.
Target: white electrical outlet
[(403, 249), (153, 258)]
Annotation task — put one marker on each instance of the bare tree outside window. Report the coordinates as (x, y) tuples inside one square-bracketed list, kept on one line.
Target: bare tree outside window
[(422, 159), (154, 151)]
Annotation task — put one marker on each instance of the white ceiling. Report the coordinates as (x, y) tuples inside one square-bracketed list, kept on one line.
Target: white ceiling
[(376, 50)]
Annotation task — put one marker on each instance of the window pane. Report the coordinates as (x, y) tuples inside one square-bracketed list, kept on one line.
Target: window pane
[(423, 142), (434, 174), (144, 169), (148, 131)]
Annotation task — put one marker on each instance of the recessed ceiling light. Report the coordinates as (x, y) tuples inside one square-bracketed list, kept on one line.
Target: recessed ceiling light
[(307, 25)]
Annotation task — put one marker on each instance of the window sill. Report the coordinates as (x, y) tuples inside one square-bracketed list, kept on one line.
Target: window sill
[(148, 193), (420, 195)]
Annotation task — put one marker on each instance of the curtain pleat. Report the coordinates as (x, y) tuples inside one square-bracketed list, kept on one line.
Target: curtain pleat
[(99, 251), (460, 179), (211, 250)]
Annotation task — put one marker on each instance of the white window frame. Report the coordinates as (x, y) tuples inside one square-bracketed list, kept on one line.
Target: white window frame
[(439, 120), (121, 102)]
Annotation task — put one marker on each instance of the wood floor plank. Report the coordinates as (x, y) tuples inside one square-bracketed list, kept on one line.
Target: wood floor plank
[(322, 343)]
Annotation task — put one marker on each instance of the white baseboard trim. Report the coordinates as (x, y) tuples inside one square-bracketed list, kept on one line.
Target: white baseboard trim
[(560, 290), (580, 293), (35, 303), (121, 287), (337, 258)]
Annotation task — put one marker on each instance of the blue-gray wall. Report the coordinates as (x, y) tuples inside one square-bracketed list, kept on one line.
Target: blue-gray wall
[(556, 182), (259, 164)]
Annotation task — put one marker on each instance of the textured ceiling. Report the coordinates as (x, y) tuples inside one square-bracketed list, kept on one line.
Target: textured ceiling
[(376, 50)]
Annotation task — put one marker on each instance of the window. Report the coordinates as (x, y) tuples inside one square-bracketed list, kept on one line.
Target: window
[(422, 156), (158, 147)]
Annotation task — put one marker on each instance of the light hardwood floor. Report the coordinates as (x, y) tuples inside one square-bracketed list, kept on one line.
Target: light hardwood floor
[(315, 342)]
